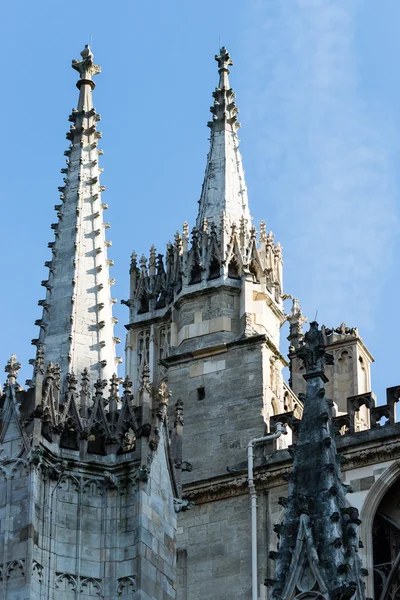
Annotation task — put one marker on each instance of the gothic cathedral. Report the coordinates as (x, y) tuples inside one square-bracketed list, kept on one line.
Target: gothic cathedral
[(201, 474)]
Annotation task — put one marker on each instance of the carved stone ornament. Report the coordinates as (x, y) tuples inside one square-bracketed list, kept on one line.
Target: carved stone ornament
[(126, 586), (179, 412), (110, 480), (312, 351), (86, 67), (129, 441), (182, 505), (12, 369), (35, 455)]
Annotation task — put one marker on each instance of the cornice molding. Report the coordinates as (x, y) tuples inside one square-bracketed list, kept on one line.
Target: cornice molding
[(273, 475)]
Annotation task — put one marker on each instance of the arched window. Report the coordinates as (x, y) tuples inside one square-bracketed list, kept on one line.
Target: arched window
[(386, 545)]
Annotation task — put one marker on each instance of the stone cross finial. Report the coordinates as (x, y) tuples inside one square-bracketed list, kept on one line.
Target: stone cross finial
[(72, 381), (143, 264), (85, 378), (133, 264), (263, 231), (12, 368), (86, 67), (114, 385), (99, 386), (224, 59), (312, 351), (296, 320), (127, 385)]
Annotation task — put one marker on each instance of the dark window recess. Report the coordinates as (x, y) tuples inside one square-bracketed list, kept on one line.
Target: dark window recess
[(96, 443), (233, 270), (201, 393), (69, 439), (195, 275), (143, 305), (214, 271)]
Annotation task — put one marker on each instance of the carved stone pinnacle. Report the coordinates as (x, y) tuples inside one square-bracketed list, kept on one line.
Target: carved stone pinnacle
[(12, 368), (86, 67)]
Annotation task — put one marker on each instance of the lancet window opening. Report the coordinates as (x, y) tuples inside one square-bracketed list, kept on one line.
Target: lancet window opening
[(386, 545)]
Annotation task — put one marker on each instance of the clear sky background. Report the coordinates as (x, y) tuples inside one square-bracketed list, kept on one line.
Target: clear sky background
[(318, 88)]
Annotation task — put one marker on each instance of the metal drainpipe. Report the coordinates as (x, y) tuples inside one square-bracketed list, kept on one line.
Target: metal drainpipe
[(280, 428)]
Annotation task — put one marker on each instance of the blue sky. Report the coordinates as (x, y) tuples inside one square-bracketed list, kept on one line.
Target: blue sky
[(318, 88)]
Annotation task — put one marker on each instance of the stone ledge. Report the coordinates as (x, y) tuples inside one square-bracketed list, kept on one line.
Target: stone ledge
[(360, 449)]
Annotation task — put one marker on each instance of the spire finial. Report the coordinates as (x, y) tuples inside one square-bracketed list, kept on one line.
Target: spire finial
[(224, 61), (12, 369), (86, 67)]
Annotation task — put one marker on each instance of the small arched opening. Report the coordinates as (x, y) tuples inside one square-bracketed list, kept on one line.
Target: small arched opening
[(379, 505), (386, 545)]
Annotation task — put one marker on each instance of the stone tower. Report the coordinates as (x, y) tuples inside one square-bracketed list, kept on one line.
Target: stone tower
[(88, 493), (207, 317), (348, 377)]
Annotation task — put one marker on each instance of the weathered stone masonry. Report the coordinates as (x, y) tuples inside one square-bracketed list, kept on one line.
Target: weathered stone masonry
[(137, 488)]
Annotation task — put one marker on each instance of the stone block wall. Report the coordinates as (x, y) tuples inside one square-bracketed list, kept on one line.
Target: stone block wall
[(223, 399), (214, 550)]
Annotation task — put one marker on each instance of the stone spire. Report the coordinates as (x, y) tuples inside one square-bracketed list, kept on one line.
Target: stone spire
[(318, 545), (76, 328), (224, 191)]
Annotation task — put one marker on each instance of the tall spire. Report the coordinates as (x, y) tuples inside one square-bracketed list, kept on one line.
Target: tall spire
[(224, 191), (318, 546), (76, 329)]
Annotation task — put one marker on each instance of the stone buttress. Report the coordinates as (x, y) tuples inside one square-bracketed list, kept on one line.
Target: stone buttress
[(88, 489)]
